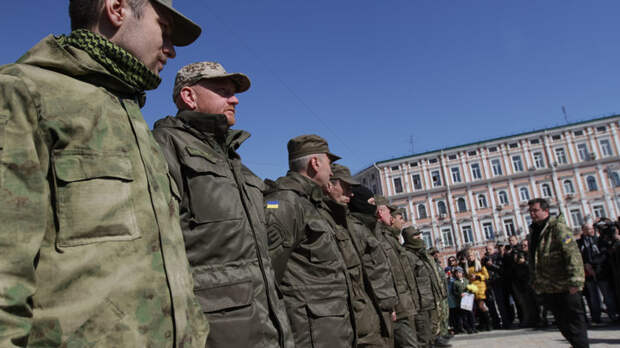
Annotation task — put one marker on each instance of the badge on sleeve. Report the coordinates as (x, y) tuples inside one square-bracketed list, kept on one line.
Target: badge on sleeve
[(273, 204)]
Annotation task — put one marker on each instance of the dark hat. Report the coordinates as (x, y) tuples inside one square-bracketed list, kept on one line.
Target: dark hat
[(380, 200), (184, 31), (409, 233), (458, 269), (433, 251), (359, 201), (308, 144), (343, 173), (192, 73)]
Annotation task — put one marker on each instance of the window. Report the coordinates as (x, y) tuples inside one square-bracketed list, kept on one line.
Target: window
[(460, 204), (456, 174), (493, 149), (601, 129), (592, 186), (503, 197), (398, 185), (452, 157), (509, 226), (539, 161), (432, 160), (517, 164), (578, 133), (576, 218), (421, 211), (497, 166), (524, 194), (426, 236), (568, 187), (482, 201), (534, 141), (468, 235), (413, 164), (582, 149), (472, 153), (605, 147), (436, 178), (475, 171), (514, 145), (417, 182), (546, 190), (395, 168), (446, 235), (560, 155), (599, 211), (441, 208), (615, 179), (556, 137), (488, 231)]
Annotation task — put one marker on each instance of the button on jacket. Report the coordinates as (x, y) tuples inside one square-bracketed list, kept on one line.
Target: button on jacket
[(92, 251), (308, 265), (223, 223)]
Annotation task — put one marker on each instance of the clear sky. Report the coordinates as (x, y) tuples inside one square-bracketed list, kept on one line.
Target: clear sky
[(370, 75)]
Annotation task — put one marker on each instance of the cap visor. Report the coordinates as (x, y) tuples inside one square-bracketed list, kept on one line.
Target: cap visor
[(350, 181), (184, 31), (333, 157)]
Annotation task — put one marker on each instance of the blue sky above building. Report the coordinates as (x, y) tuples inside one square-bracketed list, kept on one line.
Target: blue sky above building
[(369, 76)]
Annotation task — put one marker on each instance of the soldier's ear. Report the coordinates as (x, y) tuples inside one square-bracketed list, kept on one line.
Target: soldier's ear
[(187, 96), (116, 11)]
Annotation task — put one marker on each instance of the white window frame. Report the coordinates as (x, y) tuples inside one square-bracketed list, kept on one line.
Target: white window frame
[(400, 183), (560, 155), (539, 160), (517, 163), (489, 233), (446, 236), (455, 174), (422, 208), (570, 184), (592, 184), (482, 201), (496, 164), (468, 235), (503, 194), (546, 193), (524, 197), (436, 183), (476, 172), (605, 145), (583, 151)]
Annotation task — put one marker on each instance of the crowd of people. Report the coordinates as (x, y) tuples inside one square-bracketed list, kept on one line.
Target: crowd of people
[(502, 287)]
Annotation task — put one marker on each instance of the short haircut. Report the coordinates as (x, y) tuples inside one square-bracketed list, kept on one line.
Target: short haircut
[(84, 13), (300, 164), (544, 205)]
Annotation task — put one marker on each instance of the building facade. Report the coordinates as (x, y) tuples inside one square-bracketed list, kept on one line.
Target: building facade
[(470, 194)]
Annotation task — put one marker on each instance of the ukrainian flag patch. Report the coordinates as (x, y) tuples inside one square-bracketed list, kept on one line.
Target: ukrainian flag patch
[(273, 204), (567, 239)]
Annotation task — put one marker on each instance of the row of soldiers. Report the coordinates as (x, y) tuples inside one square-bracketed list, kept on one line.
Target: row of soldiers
[(312, 259), (116, 236)]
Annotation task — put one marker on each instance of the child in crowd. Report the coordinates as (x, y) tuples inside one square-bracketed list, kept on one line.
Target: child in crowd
[(465, 318)]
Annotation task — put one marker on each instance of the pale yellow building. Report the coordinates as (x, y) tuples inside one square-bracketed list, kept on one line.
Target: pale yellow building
[(474, 193)]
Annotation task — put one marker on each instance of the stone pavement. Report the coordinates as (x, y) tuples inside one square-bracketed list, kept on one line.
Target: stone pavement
[(600, 337)]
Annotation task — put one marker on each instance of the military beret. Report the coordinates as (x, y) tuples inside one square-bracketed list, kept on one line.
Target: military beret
[(308, 144), (343, 173), (192, 73)]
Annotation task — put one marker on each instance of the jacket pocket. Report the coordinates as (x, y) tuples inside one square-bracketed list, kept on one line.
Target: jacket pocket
[(329, 323), (230, 313), (319, 242), (93, 198), (345, 244)]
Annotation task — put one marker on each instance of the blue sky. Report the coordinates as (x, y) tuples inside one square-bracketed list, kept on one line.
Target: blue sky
[(369, 75)]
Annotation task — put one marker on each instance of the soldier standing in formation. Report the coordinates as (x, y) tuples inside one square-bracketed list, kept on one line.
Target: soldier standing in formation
[(557, 271), (90, 240), (221, 208)]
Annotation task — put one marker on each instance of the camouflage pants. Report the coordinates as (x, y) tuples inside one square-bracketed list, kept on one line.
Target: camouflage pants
[(441, 318)]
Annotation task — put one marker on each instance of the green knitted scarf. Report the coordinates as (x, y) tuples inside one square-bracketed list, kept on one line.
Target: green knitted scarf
[(114, 58)]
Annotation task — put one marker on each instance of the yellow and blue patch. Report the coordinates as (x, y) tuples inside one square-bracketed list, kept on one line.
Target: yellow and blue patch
[(567, 239), (273, 204)]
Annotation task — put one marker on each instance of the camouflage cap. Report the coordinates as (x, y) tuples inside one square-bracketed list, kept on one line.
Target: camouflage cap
[(398, 211), (380, 200), (308, 144), (184, 30), (410, 233), (343, 173), (192, 73)]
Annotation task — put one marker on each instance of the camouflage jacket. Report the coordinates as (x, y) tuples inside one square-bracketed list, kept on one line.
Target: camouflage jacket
[(223, 222), (92, 250), (555, 263), (308, 264)]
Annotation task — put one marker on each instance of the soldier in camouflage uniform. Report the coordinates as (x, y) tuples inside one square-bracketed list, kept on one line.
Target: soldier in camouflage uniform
[(222, 214), (557, 271), (441, 320), (308, 264), (429, 290), (92, 251)]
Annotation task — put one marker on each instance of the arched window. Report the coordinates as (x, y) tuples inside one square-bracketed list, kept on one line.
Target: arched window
[(615, 179), (568, 187), (460, 203), (441, 208), (421, 211), (546, 190), (482, 201), (524, 194), (503, 197), (592, 186)]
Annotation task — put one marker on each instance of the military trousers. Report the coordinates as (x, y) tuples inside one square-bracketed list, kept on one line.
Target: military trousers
[(570, 317), (424, 328), (405, 334)]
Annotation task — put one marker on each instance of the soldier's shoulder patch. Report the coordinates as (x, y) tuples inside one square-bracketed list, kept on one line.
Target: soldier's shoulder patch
[(567, 238), (273, 204)]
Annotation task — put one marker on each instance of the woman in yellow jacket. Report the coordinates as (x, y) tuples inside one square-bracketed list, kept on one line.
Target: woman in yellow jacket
[(478, 276)]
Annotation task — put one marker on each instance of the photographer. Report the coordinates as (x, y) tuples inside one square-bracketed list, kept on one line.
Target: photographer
[(602, 268)]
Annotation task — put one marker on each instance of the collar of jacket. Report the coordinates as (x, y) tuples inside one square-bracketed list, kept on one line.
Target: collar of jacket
[(368, 220), (213, 126), (338, 210), (416, 245), (303, 185), (49, 54)]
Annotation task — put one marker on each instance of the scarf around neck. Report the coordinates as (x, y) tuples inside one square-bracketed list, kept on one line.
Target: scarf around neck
[(118, 61)]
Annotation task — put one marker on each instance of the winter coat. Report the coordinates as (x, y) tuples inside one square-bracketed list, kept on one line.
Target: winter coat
[(223, 222)]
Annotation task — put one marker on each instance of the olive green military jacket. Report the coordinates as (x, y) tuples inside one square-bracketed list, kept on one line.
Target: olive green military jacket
[(401, 270), (308, 264), (429, 292), (223, 222), (92, 251), (555, 263)]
